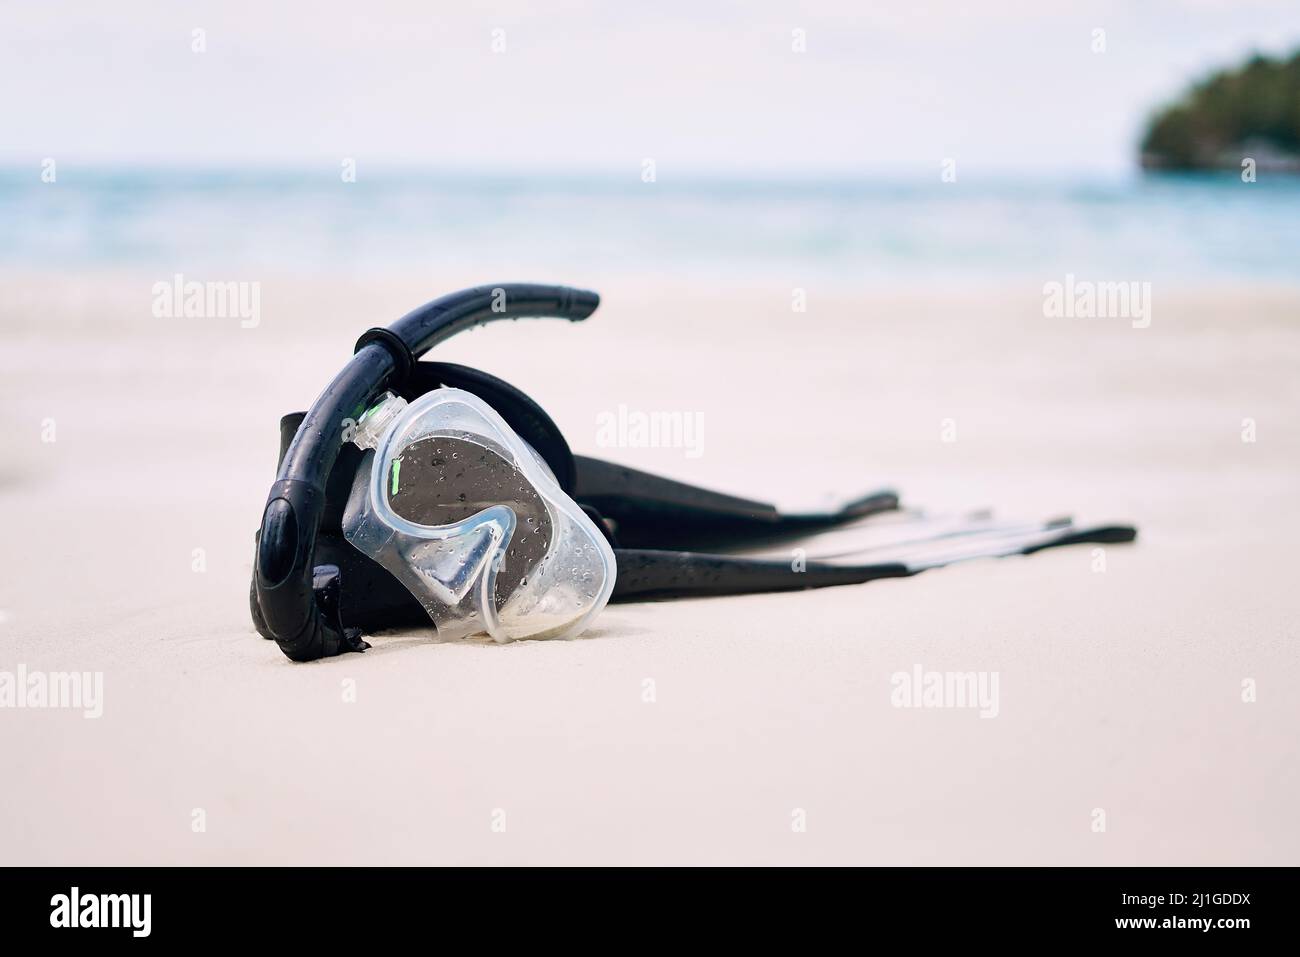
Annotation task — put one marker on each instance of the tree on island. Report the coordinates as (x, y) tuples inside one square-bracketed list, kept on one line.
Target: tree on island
[(1251, 112)]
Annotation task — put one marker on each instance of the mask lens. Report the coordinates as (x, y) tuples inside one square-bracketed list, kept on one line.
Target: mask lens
[(445, 479)]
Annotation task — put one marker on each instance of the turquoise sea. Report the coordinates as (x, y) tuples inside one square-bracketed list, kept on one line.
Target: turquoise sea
[(247, 223)]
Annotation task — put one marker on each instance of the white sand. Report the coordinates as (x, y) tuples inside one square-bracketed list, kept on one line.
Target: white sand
[(1119, 690)]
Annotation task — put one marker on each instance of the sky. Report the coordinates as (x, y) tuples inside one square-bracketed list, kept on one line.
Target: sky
[(698, 87)]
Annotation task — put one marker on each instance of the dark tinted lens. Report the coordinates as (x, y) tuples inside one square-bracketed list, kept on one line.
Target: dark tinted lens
[(441, 480)]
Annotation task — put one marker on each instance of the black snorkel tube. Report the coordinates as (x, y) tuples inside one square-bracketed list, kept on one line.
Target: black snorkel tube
[(298, 604)]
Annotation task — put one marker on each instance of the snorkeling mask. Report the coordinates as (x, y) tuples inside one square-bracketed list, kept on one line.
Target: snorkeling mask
[(414, 492)]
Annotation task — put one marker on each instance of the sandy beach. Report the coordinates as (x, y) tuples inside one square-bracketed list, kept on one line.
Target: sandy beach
[(140, 452)]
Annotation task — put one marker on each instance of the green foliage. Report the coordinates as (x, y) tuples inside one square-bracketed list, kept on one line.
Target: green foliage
[(1257, 103)]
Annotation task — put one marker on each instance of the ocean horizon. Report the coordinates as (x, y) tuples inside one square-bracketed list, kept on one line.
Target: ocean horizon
[(246, 222)]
